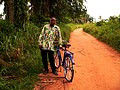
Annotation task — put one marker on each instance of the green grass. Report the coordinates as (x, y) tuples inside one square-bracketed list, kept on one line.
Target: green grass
[(24, 83), (74, 26)]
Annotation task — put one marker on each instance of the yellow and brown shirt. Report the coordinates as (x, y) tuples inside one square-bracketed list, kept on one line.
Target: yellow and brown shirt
[(48, 36)]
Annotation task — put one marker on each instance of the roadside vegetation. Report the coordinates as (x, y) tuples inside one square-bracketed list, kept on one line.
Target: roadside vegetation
[(20, 57), (107, 31)]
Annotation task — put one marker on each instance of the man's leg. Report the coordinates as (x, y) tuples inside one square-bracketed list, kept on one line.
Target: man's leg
[(44, 59), (52, 62)]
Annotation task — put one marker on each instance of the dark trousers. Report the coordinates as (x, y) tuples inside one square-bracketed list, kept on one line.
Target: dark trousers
[(50, 55)]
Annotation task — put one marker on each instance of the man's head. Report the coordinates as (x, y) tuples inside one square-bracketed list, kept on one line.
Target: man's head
[(52, 21)]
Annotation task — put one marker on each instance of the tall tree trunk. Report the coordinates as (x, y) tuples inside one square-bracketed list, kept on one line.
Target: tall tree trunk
[(41, 7), (51, 7), (35, 6), (20, 12), (46, 8), (9, 4)]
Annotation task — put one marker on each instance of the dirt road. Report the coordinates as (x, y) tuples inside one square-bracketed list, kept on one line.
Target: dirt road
[(97, 66)]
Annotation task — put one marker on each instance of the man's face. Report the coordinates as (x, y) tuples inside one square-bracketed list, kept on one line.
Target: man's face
[(53, 21)]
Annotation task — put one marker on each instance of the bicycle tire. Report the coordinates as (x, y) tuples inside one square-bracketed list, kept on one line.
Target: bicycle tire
[(68, 69), (57, 61)]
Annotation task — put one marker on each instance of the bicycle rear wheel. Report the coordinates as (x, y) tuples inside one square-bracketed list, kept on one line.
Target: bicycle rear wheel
[(68, 70), (57, 61)]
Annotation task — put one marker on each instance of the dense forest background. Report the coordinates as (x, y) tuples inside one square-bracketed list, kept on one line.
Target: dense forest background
[(38, 11)]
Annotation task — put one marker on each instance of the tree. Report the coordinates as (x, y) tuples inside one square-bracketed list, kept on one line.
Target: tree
[(20, 12), (9, 10), (58, 8), (15, 11)]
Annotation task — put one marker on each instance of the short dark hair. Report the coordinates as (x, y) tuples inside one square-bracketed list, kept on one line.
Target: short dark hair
[(52, 18)]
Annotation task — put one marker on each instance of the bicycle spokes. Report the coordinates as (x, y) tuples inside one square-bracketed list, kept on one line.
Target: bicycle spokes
[(68, 70), (56, 60)]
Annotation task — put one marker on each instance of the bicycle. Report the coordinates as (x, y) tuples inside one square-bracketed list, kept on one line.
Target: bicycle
[(66, 62)]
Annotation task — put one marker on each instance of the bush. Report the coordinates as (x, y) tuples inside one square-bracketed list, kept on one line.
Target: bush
[(65, 31), (19, 55), (108, 32), (90, 28), (25, 83)]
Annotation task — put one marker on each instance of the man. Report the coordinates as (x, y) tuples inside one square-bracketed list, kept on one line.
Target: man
[(50, 34)]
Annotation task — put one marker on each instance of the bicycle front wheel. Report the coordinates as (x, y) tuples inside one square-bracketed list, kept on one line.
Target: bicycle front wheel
[(68, 69)]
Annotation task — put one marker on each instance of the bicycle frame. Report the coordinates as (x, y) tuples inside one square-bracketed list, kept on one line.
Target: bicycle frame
[(66, 54)]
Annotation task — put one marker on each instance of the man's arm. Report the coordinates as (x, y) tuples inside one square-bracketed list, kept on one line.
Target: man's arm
[(60, 37)]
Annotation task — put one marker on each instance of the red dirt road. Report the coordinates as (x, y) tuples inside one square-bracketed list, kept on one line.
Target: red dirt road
[(97, 66)]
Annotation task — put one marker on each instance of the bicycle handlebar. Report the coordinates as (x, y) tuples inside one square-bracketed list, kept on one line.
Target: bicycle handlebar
[(65, 43)]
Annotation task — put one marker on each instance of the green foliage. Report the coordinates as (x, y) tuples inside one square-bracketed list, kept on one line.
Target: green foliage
[(74, 26), (106, 31), (6, 27), (63, 10), (6, 31), (100, 23), (90, 28), (20, 13), (39, 19), (65, 31), (19, 49), (25, 83)]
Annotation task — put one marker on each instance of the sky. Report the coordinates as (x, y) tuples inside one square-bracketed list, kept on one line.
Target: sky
[(104, 8), (1, 8), (96, 8)]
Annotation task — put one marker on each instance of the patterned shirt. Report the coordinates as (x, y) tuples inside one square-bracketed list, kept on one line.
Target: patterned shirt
[(49, 36)]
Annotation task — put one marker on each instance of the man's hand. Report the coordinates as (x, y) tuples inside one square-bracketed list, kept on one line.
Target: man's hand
[(61, 47)]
